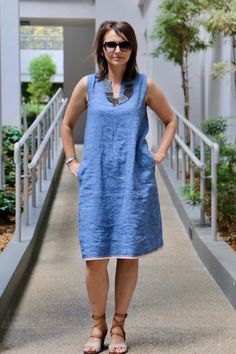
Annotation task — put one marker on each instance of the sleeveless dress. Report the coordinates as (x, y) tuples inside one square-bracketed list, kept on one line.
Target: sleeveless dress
[(119, 211)]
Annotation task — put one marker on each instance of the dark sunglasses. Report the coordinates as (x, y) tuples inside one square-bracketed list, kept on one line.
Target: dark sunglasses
[(111, 46)]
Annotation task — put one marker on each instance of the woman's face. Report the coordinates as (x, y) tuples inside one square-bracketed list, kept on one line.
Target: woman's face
[(115, 55)]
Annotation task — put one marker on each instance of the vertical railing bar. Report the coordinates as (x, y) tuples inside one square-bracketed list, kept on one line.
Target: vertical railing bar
[(49, 145), (183, 167), (177, 160), (183, 154), (33, 174), (52, 137), (202, 184), (26, 183), (192, 168), (56, 135), (40, 161), (214, 162), (17, 160), (171, 156), (44, 155)]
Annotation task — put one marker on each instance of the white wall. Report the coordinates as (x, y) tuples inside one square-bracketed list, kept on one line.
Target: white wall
[(27, 55), (232, 122), (220, 93), (77, 63), (10, 62), (53, 10)]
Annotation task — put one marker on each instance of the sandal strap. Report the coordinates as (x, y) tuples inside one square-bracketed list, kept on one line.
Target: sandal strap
[(100, 324), (119, 324), (122, 315)]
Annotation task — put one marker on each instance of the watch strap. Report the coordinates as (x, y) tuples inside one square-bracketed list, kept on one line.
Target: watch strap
[(70, 159)]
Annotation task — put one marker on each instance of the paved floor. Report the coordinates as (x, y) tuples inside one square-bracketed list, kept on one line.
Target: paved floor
[(177, 307)]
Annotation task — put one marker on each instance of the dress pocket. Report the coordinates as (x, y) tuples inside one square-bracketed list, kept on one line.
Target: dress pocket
[(80, 169)]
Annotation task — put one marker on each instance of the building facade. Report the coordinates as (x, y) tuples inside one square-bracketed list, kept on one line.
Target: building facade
[(80, 20)]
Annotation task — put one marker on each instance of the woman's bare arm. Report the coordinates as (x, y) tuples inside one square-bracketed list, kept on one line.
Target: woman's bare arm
[(77, 104), (156, 100)]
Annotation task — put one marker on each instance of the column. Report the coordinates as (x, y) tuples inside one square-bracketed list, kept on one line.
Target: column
[(10, 62)]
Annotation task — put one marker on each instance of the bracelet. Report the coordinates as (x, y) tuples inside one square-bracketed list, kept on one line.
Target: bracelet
[(70, 159)]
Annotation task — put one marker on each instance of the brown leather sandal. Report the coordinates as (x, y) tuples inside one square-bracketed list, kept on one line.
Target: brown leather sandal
[(120, 324), (94, 347)]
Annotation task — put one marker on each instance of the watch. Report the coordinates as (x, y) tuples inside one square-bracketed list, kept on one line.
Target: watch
[(70, 159)]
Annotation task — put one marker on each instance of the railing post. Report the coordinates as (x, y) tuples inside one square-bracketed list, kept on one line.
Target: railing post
[(202, 184), (177, 160), (52, 137), (171, 155), (40, 161), (26, 183), (49, 144), (33, 175), (214, 163), (192, 171), (183, 167), (17, 160)]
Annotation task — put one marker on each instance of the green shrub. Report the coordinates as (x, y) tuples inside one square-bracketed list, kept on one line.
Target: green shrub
[(216, 129), (10, 136), (41, 70), (7, 203), (192, 195)]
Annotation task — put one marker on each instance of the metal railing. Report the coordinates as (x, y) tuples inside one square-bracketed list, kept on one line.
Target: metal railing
[(34, 154), (183, 155)]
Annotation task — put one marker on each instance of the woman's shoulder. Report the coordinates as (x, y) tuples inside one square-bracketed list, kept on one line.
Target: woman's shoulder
[(84, 82), (149, 80), (141, 78)]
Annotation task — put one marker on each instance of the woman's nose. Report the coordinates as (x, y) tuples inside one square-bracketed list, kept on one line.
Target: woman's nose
[(117, 48)]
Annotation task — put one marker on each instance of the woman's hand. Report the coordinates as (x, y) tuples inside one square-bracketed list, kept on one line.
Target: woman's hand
[(159, 156), (74, 167)]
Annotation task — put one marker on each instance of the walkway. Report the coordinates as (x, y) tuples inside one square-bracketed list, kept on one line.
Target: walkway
[(177, 308)]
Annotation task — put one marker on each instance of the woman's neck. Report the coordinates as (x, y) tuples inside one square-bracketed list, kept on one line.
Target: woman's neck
[(116, 74)]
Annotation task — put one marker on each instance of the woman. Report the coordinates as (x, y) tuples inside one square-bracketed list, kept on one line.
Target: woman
[(119, 213)]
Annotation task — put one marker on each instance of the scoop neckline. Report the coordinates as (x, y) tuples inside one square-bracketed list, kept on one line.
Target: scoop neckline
[(126, 91)]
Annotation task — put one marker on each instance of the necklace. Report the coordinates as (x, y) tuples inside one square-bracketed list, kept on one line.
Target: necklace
[(124, 96)]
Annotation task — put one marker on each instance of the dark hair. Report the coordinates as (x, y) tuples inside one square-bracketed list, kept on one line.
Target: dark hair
[(122, 29)]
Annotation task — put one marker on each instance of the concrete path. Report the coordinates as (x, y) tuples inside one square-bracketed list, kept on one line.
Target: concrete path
[(177, 308)]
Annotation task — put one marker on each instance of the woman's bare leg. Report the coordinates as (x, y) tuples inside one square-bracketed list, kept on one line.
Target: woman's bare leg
[(125, 284), (97, 283)]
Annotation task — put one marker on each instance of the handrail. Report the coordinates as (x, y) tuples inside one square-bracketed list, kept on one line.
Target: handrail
[(40, 117), (188, 151), (39, 143), (189, 158), (45, 141), (201, 135)]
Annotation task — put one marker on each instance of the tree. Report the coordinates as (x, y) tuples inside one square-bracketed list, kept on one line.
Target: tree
[(221, 17), (177, 29), (41, 70)]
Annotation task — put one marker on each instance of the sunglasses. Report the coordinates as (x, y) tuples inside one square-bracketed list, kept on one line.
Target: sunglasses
[(111, 46)]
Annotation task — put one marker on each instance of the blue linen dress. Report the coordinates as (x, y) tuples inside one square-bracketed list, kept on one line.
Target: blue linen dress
[(119, 211)]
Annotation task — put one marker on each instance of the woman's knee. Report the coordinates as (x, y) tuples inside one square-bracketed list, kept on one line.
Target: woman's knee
[(127, 263), (97, 266)]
